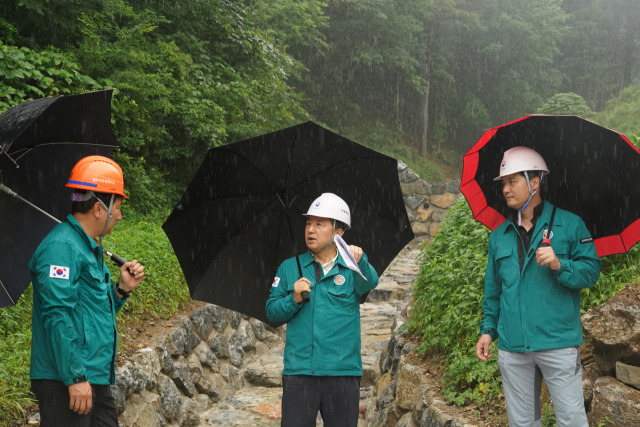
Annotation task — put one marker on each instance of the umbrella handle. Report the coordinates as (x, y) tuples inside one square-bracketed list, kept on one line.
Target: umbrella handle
[(305, 296), (545, 243)]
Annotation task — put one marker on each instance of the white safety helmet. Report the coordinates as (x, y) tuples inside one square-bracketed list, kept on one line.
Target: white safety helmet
[(521, 159), (328, 205)]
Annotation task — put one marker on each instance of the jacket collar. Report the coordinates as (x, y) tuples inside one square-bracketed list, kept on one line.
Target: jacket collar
[(306, 259), (75, 225), (543, 210)]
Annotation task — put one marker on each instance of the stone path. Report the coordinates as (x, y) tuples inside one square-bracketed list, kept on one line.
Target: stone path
[(258, 402)]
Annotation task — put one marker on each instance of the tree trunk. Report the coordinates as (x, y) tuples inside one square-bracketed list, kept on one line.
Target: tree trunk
[(425, 102)]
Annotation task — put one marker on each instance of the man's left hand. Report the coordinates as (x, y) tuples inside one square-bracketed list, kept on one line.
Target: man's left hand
[(546, 256), (356, 251)]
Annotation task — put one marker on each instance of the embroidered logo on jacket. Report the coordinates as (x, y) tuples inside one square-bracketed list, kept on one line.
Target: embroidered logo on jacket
[(276, 282), (339, 280), (59, 272)]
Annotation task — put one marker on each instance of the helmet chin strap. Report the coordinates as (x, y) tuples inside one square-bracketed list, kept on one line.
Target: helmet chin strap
[(531, 194), (108, 209)]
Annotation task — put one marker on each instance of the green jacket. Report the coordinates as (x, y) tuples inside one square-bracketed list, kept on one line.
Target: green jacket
[(323, 335), (538, 308), (74, 304)]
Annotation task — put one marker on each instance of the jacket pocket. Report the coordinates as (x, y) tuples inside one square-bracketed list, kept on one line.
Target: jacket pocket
[(507, 266)]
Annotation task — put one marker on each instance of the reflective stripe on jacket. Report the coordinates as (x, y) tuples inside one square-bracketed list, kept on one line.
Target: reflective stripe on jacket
[(538, 308), (323, 335), (74, 305)]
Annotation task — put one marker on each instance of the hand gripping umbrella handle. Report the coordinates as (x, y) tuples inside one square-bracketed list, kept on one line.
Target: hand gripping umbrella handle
[(305, 296), (547, 240)]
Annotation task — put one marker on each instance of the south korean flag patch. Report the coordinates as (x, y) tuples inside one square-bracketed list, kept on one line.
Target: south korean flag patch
[(59, 272)]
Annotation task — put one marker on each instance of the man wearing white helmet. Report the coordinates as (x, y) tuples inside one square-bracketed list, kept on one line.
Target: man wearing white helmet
[(539, 259), (322, 361)]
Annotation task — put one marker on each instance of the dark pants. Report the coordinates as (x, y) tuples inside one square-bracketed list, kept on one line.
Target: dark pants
[(337, 399), (53, 400)]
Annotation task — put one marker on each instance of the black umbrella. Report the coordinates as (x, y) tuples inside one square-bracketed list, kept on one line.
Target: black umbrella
[(40, 142), (235, 223), (595, 173)]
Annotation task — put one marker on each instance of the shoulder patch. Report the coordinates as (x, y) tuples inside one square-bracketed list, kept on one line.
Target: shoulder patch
[(586, 240), (59, 272), (276, 282)]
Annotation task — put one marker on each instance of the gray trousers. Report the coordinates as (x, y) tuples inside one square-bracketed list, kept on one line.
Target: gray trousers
[(522, 375)]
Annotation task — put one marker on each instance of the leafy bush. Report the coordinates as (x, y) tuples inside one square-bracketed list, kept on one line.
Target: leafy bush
[(15, 353), (163, 291), (448, 303)]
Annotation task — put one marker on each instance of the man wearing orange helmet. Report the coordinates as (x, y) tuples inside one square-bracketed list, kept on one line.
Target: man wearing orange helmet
[(74, 336)]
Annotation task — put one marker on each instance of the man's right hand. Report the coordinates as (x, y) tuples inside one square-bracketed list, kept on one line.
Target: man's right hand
[(301, 285), (80, 398), (482, 347)]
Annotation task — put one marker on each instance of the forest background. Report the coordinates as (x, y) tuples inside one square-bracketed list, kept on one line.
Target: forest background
[(419, 80)]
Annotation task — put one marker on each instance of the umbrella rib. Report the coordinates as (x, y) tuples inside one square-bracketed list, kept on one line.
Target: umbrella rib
[(24, 151), (7, 292), (334, 165)]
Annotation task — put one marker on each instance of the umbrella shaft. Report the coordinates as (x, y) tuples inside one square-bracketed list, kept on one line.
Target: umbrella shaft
[(14, 194)]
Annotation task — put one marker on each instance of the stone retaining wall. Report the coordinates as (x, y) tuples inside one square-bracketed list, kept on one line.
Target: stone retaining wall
[(426, 204)]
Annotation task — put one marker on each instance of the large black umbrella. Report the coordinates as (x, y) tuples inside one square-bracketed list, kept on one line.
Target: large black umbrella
[(594, 173), (40, 142), (241, 215)]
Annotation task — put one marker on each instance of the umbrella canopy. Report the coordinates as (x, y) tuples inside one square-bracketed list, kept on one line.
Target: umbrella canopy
[(241, 215), (594, 173), (40, 142)]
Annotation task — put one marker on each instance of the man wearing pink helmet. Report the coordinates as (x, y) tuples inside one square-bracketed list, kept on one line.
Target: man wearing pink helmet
[(532, 296), (322, 361)]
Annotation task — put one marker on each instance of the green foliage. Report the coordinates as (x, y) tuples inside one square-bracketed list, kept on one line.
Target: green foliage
[(15, 353), (448, 298), (28, 74), (163, 291), (386, 141), (567, 103), (622, 112)]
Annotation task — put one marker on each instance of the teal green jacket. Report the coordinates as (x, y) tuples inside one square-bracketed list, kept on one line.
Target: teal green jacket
[(538, 308), (74, 309), (323, 335)]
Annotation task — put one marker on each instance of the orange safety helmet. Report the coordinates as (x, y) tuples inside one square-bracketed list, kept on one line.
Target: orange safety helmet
[(99, 174)]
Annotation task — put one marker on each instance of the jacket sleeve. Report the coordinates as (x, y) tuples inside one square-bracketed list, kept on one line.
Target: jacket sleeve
[(363, 286), (582, 268), (58, 298), (281, 306), (491, 302)]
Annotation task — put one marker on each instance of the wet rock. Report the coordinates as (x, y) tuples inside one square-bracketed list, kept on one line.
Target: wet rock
[(203, 321), (171, 403), (220, 317), (616, 402), (614, 330)]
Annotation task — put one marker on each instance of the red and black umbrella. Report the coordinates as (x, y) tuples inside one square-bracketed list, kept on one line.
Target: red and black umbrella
[(40, 142), (242, 214), (594, 173)]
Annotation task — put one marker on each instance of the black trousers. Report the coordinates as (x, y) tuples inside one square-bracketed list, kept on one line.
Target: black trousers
[(53, 400), (337, 399)]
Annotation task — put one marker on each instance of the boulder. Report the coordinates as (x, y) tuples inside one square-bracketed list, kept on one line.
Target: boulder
[(614, 330)]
